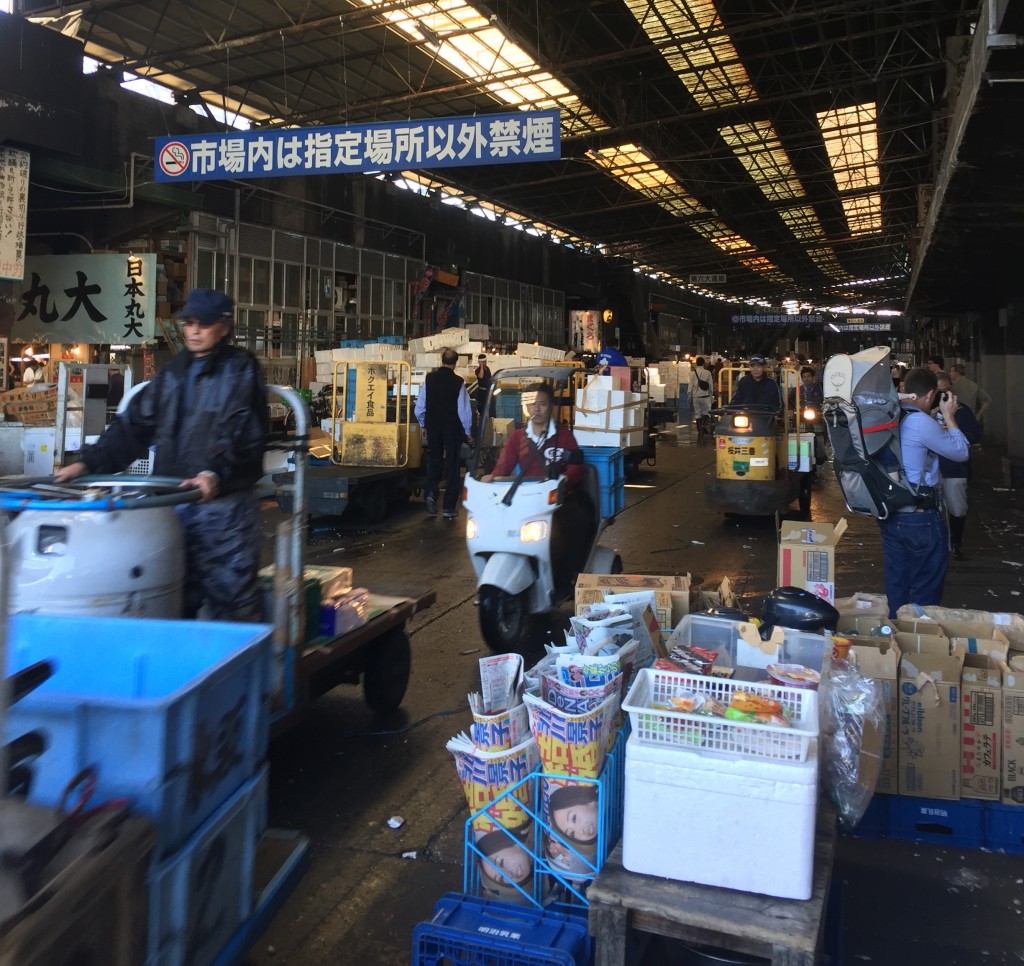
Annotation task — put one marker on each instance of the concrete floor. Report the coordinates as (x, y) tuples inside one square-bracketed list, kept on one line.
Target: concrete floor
[(343, 772)]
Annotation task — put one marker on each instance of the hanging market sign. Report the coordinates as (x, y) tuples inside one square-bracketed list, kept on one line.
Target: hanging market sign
[(393, 146), (86, 298), (858, 326), (13, 211), (779, 318)]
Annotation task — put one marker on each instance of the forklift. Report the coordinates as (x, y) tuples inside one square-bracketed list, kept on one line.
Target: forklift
[(764, 457)]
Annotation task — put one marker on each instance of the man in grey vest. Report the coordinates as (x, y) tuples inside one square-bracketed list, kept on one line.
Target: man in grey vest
[(443, 410)]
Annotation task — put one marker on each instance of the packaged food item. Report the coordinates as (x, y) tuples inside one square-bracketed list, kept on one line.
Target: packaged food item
[(755, 703), (693, 659), (685, 702), (840, 647), (756, 717), (794, 676)]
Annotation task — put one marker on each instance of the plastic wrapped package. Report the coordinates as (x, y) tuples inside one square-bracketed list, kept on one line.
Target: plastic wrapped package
[(853, 732)]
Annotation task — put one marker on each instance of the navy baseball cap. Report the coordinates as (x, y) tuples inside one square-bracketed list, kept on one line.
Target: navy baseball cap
[(757, 359), (208, 306)]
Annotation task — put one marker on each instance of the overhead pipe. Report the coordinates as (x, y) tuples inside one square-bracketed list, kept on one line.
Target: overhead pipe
[(130, 203)]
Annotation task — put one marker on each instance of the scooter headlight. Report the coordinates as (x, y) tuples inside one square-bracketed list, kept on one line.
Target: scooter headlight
[(809, 415), (471, 529), (533, 532)]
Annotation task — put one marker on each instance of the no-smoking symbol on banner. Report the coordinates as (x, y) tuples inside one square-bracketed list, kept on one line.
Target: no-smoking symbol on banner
[(174, 158)]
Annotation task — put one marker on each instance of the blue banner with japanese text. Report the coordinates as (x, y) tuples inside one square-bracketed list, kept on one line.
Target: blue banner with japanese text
[(511, 138)]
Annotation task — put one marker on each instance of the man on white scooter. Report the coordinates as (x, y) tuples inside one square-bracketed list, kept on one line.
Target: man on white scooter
[(540, 444)]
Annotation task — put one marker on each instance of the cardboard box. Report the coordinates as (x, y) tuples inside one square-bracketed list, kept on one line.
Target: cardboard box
[(1013, 738), (671, 594), (981, 704), (929, 711), (879, 660), (807, 556)]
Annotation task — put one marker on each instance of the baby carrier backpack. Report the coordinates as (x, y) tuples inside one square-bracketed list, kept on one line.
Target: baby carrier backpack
[(862, 416)]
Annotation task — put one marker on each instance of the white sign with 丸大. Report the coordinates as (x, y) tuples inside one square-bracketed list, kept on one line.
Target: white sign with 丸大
[(86, 298)]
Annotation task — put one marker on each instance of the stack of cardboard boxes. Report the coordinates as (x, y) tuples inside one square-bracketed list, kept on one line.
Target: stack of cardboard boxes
[(954, 707), (35, 406)]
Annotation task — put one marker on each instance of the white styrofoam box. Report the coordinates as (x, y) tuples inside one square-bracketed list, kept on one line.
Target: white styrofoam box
[(586, 436), (38, 446), (478, 330), (657, 393), (427, 360), (323, 356), (735, 823), (472, 348)]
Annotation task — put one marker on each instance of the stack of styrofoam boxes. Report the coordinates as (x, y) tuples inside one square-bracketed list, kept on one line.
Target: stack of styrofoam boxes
[(750, 789), (655, 387), (608, 417), (668, 376), (177, 722), (478, 331)]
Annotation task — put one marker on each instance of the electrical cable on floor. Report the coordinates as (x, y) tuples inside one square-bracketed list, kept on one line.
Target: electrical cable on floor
[(397, 731)]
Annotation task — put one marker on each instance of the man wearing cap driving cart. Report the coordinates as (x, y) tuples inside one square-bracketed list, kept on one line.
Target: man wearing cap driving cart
[(205, 413), (755, 388)]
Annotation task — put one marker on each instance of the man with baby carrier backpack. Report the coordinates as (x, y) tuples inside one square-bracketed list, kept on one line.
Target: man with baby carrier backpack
[(887, 463)]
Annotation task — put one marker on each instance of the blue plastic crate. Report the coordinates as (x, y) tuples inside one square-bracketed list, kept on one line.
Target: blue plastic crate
[(1004, 827), (201, 894), (466, 931), (874, 823), (960, 824), (609, 463), (175, 714), (508, 405)]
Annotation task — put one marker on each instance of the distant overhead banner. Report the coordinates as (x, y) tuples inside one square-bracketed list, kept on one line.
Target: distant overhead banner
[(864, 327), (511, 138), (779, 318)]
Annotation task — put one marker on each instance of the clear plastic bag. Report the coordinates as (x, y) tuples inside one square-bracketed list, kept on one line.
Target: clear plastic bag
[(852, 739)]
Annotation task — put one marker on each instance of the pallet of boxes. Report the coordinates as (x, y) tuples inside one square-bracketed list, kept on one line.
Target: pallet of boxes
[(953, 682)]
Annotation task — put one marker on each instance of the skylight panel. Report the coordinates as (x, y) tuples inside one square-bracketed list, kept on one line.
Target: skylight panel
[(466, 41), (850, 135), (759, 149), (635, 168), (693, 41)]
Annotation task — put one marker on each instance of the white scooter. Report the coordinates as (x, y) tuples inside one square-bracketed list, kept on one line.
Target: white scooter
[(508, 534)]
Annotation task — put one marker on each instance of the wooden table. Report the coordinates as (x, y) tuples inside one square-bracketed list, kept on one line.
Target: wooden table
[(788, 932)]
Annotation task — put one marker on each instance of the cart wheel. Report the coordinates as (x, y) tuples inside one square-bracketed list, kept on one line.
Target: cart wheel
[(805, 492), (386, 675), (374, 504), (502, 618)]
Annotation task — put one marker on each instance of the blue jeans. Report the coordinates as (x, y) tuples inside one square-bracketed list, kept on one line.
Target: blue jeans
[(916, 551)]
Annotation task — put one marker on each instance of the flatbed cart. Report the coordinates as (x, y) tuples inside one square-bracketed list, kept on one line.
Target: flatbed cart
[(372, 455), (305, 665)]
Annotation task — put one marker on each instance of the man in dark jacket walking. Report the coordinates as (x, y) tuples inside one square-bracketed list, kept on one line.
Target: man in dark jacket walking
[(205, 413), (443, 410)]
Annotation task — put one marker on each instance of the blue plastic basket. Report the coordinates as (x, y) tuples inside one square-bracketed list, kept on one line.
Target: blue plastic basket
[(610, 465), (174, 713), (960, 824), (466, 931), (549, 881)]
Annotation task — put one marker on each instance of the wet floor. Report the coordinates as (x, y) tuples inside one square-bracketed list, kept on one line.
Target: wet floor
[(344, 771)]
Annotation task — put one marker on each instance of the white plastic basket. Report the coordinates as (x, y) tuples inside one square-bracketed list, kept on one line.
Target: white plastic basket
[(697, 732)]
